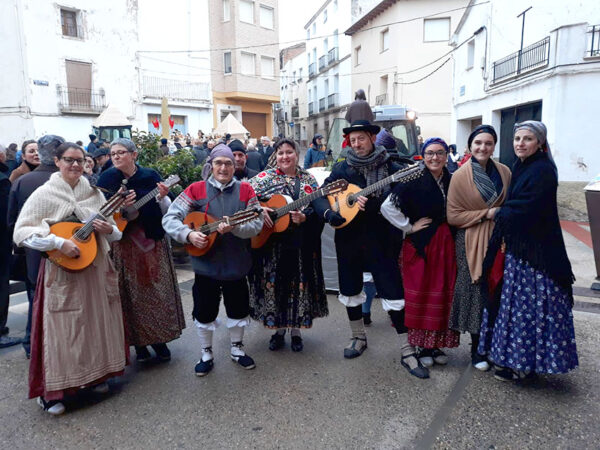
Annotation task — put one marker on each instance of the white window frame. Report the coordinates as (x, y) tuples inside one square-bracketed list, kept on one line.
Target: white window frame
[(272, 60), (253, 65), (437, 19), (248, 2), (226, 10), (225, 64), (357, 53), (383, 46), (262, 8), (470, 54), (325, 15)]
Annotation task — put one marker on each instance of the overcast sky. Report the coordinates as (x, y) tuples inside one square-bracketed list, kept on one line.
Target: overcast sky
[(293, 15)]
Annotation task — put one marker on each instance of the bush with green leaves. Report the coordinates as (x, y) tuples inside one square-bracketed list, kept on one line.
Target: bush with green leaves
[(182, 162)]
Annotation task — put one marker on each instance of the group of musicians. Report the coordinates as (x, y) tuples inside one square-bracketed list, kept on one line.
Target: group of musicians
[(404, 236)]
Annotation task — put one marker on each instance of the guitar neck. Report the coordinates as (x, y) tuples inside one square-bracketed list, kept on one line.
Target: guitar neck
[(145, 199), (236, 219), (375, 186), (280, 212)]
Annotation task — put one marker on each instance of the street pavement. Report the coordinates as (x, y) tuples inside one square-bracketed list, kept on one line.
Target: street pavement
[(317, 399)]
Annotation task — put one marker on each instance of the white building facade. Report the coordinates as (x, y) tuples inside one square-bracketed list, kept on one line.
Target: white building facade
[(66, 61), (555, 78), (292, 122), (328, 68)]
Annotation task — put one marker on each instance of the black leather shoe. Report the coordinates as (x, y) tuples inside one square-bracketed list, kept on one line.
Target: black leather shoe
[(162, 352), (420, 371), (297, 344), (142, 354), (277, 342)]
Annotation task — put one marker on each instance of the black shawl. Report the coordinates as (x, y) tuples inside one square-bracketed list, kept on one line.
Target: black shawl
[(422, 197), (143, 181), (528, 221)]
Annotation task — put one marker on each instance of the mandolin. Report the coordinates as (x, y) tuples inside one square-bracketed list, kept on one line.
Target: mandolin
[(283, 205), (130, 213), (207, 225), (83, 236), (345, 202)]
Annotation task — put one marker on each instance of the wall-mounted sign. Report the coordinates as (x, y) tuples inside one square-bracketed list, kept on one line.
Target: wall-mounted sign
[(40, 82)]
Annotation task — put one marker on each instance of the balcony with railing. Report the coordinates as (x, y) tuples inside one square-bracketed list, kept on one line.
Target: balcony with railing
[(295, 112), (593, 49), (381, 99), (530, 58), (311, 108), (322, 62), (322, 104), (332, 101), (312, 70), (80, 101), (332, 55), (185, 91)]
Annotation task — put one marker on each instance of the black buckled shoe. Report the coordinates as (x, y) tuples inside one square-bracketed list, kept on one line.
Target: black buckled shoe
[(277, 342), (356, 347), (297, 344), (239, 356), (162, 352), (142, 354), (420, 371), (203, 367)]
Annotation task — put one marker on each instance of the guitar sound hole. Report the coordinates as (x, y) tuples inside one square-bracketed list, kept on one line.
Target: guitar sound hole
[(351, 200)]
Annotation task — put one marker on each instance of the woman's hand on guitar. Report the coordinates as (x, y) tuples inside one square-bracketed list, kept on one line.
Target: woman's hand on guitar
[(224, 227), (70, 249), (163, 190), (298, 217), (362, 201), (198, 239), (102, 227), (421, 224), (267, 217), (129, 198)]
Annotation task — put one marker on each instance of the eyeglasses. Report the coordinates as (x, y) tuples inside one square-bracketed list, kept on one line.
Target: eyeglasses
[(120, 153), (439, 154), (227, 164), (71, 161)]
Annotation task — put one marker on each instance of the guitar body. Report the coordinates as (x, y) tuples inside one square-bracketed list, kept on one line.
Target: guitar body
[(120, 221), (280, 225), (195, 220), (343, 204), (88, 249)]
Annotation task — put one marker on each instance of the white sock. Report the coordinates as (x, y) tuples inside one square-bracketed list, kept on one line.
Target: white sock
[(358, 328), (206, 338), (407, 349), (236, 334)]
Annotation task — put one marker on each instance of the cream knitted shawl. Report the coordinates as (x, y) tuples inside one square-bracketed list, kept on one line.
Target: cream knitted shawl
[(55, 201)]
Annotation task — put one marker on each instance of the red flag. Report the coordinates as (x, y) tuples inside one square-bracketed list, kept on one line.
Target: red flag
[(156, 123), (171, 122)]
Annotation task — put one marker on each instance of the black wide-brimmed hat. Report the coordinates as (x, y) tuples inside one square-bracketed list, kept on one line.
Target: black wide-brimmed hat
[(362, 125)]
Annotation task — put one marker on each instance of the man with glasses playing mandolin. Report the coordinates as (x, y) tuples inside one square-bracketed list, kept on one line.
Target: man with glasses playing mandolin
[(368, 243), (224, 267)]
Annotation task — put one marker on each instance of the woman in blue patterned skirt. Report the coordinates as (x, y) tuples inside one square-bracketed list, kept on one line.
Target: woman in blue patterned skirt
[(531, 329)]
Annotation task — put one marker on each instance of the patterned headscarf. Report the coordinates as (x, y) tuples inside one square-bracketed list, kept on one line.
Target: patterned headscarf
[(538, 129), (433, 140), (219, 150)]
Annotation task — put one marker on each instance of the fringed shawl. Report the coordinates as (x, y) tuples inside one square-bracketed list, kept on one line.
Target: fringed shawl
[(55, 201), (467, 209)]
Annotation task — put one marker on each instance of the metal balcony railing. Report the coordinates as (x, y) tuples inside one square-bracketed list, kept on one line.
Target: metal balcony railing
[(381, 99), (312, 70), (322, 62), (532, 57), (78, 100), (72, 31), (332, 100), (594, 49), (295, 112), (157, 87), (332, 55), (311, 108), (322, 104)]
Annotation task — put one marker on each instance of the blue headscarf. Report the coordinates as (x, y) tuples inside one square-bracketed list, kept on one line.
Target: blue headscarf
[(433, 140)]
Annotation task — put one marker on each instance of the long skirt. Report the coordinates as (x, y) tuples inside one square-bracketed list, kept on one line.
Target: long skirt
[(428, 290), (468, 300), (77, 336), (286, 286), (149, 292), (534, 329)]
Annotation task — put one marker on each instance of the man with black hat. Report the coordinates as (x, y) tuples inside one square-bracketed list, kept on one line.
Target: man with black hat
[(102, 157), (242, 171), (369, 243), (19, 193)]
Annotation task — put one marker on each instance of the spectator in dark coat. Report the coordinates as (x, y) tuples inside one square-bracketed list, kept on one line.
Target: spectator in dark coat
[(242, 172), (359, 109), (91, 147), (200, 153), (253, 158), (19, 193), (164, 147)]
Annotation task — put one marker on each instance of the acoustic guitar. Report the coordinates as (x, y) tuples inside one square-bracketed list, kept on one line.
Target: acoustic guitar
[(283, 205), (130, 213), (206, 224), (83, 236), (345, 202)]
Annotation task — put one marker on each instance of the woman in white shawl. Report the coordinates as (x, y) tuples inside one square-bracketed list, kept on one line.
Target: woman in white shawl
[(77, 337)]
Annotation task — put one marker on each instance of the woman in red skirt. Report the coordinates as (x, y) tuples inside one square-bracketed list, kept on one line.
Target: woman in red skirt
[(427, 261)]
